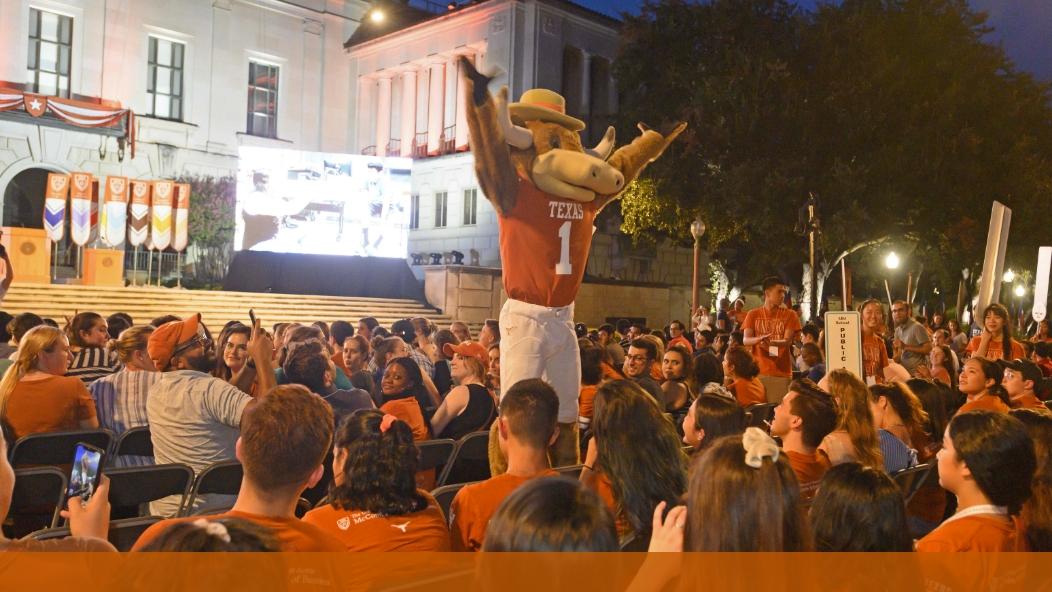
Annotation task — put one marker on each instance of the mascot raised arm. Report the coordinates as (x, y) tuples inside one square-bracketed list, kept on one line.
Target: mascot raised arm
[(547, 190)]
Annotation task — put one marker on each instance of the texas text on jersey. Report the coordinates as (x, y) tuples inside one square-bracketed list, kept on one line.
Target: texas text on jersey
[(544, 244)]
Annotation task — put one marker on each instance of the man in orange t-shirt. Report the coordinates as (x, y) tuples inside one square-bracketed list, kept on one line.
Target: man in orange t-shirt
[(526, 428), (805, 416), (769, 331), (285, 435), (1021, 377)]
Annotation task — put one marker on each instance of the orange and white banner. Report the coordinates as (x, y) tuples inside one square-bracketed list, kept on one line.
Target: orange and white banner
[(181, 234), (80, 208), (114, 211), (139, 222), (55, 205), (161, 215)]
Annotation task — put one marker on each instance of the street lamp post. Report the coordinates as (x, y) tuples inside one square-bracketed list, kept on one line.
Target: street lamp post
[(697, 230)]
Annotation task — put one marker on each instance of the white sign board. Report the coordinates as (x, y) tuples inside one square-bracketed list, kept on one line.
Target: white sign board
[(1044, 268), (844, 342)]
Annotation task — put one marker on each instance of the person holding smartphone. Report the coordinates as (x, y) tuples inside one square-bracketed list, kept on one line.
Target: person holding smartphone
[(89, 522)]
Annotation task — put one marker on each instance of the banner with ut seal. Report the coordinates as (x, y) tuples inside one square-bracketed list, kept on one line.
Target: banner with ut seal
[(80, 208), (161, 218), (181, 234), (139, 222), (114, 211), (55, 206)]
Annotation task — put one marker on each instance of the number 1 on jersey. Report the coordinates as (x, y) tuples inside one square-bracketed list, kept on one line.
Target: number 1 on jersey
[(564, 267)]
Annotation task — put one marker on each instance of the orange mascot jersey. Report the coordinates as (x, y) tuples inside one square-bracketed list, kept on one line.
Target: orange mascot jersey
[(544, 243)]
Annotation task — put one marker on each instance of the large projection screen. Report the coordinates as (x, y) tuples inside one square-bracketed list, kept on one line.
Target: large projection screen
[(289, 201)]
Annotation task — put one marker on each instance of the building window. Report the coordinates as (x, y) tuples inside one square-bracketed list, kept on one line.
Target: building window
[(441, 206), (50, 49), (262, 100), (414, 212), (470, 207), (164, 79)]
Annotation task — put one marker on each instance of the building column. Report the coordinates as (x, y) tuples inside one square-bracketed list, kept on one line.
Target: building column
[(436, 107), (461, 107), (408, 111), (383, 116), (449, 114), (366, 135)]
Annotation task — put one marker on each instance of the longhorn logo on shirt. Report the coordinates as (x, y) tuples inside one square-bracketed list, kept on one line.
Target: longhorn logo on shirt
[(344, 523), (402, 527)]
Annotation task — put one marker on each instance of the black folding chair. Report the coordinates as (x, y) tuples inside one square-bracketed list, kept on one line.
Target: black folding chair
[(572, 471), (223, 478), (469, 462), (435, 454), (122, 535), (757, 415), (131, 488), (135, 442), (56, 448), (912, 479), (444, 496), (36, 501)]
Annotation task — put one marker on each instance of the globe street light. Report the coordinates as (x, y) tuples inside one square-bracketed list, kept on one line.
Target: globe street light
[(697, 230), (377, 16), (1020, 291), (891, 261), (1009, 276)]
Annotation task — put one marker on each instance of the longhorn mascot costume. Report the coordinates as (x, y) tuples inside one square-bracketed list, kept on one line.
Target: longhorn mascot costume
[(547, 190)]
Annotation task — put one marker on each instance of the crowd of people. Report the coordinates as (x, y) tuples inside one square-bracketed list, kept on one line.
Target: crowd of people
[(671, 455)]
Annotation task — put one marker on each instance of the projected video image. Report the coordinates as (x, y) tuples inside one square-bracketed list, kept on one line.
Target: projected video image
[(290, 201)]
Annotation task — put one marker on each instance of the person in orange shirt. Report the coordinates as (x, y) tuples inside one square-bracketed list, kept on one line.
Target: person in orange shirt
[(769, 331), (401, 387), (339, 332), (1021, 378), (285, 435), (35, 394), (740, 371), (980, 381), (374, 504), (525, 429), (634, 459), (591, 376), (802, 420), (874, 352), (996, 337), (987, 460), (553, 514), (676, 330)]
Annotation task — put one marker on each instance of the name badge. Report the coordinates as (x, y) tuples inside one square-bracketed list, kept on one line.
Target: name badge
[(772, 351), (871, 380)]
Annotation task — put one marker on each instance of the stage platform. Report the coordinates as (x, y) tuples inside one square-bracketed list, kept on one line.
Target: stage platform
[(216, 307)]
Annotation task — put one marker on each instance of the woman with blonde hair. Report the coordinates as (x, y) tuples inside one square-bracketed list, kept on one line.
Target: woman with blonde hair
[(120, 398), (855, 439), (36, 395)]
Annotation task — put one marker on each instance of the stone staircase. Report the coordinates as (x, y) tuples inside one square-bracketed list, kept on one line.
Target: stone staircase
[(146, 303)]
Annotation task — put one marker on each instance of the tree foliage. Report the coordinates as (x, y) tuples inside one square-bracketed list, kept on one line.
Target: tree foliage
[(896, 113), (211, 225)]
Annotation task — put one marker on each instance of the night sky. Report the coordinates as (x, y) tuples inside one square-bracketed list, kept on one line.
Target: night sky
[(1023, 27)]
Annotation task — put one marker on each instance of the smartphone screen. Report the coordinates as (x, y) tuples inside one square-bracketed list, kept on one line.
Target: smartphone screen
[(84, 477)]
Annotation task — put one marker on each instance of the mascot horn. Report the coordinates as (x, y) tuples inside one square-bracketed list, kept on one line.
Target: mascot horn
[(547, 190)]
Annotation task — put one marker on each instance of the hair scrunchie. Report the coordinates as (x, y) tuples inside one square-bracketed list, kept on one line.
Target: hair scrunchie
[(216, 529), (757, 446), (386, 423)]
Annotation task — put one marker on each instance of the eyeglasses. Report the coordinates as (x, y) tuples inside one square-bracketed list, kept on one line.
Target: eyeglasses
[(636, 358)]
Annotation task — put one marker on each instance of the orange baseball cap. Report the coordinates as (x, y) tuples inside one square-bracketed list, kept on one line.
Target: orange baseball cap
[(168, 337), (471, 349)]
